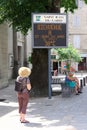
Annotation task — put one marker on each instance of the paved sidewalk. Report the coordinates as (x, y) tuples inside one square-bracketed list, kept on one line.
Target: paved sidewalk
[(44, 113)]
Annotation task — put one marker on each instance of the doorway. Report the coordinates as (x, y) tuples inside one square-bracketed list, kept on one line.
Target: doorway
[(82, 66)]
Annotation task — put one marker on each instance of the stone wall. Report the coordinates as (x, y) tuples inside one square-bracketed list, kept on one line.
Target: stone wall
[(3, 55), (78, 27)]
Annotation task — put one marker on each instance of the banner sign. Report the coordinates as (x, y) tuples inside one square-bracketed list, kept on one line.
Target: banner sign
[(49, 30)]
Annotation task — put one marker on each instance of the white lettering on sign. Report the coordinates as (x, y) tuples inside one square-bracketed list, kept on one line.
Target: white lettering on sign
[(48, 18)]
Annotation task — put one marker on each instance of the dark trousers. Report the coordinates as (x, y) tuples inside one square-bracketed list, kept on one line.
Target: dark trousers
[(23, 99)]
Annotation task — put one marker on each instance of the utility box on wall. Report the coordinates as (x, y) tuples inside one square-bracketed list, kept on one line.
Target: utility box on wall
[(11, 61)]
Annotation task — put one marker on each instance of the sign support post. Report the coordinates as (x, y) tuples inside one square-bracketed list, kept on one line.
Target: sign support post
[(49, 74)]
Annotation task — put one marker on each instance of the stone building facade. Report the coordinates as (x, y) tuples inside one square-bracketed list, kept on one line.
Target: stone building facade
[(77, 35), (23, 49), (78, 32)]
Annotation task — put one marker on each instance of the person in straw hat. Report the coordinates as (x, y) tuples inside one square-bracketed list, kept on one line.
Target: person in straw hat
[(23, 97)]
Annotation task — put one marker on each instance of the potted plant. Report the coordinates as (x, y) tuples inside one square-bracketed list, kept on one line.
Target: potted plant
[(69, 54)]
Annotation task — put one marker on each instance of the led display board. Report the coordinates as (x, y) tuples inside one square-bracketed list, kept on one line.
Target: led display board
[(49, 30)]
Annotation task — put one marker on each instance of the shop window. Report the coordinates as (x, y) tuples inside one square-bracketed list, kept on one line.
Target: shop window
[(82, 65)]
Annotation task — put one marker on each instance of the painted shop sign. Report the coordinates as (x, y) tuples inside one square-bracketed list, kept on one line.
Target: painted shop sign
[(49, 30)]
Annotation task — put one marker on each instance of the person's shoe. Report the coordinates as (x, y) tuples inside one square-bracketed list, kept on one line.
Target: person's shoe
[(25, 121), (79, 92)]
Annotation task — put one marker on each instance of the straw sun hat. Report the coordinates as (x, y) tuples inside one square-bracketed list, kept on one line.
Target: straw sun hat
[(24, 71)]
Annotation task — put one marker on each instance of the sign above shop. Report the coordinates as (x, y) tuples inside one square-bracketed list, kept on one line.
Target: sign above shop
[(49, 30)]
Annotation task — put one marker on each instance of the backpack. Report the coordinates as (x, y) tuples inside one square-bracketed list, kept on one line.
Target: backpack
[(20, 84)]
